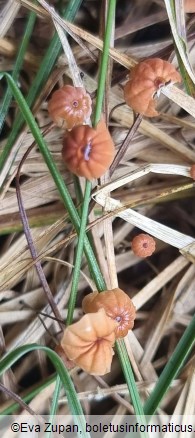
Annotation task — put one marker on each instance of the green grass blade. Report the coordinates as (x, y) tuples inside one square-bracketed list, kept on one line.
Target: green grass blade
[(128, 373), (120, 345), (73, 401), (79, 253), (18, 64), (55, 400), (104, 61), (171, 369), (97, 115), (78, 191), (40, 79)]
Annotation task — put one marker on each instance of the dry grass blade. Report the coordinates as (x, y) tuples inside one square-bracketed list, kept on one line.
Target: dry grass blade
[(150, 226), (122, 59), (180, 98), (8, 15), (180, 19), (76, 78), (178, 42), (159, 281)]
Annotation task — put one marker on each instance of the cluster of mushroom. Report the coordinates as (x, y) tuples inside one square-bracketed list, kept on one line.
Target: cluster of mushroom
[(86, 151), (89, 342)]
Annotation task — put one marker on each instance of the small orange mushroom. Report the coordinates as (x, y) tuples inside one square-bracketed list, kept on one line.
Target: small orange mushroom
[(70, 106), (88, 151), (146, 80), (89, 342), (189, 6), (192, 171), (117, 305), (143, 245)]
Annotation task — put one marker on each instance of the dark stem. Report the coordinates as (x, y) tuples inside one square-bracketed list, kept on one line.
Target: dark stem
[(39, 314), (29, 238), (17, 399), (125, 144)]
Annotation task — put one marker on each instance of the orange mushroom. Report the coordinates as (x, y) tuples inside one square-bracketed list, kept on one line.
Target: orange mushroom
[(69, 364), (192, 171), (117, 306), (89, 342), (143, 245), (70, 106), (146, 80), (88, 151), (189, 6)]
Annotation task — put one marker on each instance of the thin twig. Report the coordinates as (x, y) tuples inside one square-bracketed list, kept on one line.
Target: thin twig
[(17, 399), (115, 396), (125, 144), (29, 238), (39, 314)]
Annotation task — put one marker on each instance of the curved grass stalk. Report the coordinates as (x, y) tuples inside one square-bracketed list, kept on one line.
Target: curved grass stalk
[(55, 400), (73, 401)]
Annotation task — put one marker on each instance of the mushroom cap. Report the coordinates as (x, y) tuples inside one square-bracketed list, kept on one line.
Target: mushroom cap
[(70, 106), (146, 80), (143, 245), (87, 151), (117, 305), (89, 342)]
